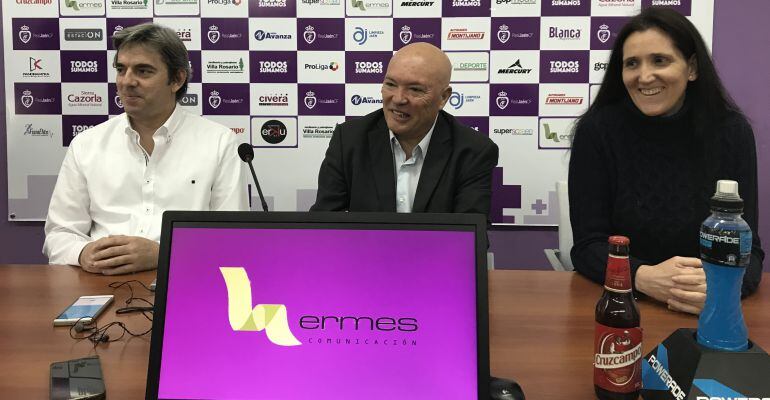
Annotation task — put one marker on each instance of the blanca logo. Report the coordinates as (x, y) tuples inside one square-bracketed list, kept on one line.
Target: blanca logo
[(464, 34), (309, 34), (213, 34), (25, 35), (214, 100), (503, 34), (502, 100), (272, 318), (563, 34), (406, 34), (514, 68), (603, 34), (27, 99), (310, 100)]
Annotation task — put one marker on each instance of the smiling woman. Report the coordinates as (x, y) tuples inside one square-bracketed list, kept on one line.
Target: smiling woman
[(646, 156)]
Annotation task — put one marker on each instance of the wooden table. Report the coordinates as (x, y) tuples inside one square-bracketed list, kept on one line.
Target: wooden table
[(541, 330)]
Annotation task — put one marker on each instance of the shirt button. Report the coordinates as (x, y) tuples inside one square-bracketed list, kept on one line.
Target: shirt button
[(147, 211), (401, 199)]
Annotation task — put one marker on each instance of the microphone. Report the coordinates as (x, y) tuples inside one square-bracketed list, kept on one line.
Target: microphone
[(246, 153)]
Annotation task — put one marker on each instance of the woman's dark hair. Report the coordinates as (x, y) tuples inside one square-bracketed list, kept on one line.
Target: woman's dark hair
[(165, 42), (707, 97)]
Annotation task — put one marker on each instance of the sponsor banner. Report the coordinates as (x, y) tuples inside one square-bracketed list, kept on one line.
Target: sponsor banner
[(561, 8), (521, 66), (83, 33), (37, 98), (112, 73), (238, 124), (466, 8), (195, 65), (469, 66), (190, 34), (224, 33), (516, 8), (366, 66), (118, 24), (521, 33), (84, 98), (272, 8), (274, 132), (225, 66), (369, 8), (555, 133), (598, 62), (513, 99), (321, 67), (273, 66), (225, 98), (225, 8), (38, 8), (320, 34), (72, 125), (129, 8), (327, 8), (311, 127), (563, 99), (465, 34), (410, 30), (564, 66), (115, 105), (177, 7), (614, 7), (478, 124), (468, 100), (273, 34), (604, 30), (273, 99), (37, 129), (34, 66), (81, 8), (368, 34), (362, 98), (84, 66), (684, 7), (35, 33), (321, 99), (594, 90), (417, 8), (511, 127), (192, 100), (564, 33)]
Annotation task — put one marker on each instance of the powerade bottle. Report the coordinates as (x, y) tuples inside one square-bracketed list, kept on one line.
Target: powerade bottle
[(725, 248)]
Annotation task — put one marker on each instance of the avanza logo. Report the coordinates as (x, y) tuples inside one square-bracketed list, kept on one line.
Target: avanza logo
[(272, 318)]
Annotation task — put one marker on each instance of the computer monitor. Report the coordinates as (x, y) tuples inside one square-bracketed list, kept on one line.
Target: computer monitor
[(320, 305)]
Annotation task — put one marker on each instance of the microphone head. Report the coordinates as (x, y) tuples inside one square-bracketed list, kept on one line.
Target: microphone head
[(246, 152)]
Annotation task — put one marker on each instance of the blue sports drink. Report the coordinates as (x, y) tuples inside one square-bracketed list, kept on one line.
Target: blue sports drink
[(725, 247)]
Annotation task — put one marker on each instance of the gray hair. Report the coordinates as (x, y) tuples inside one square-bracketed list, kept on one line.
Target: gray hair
[(165, 42)]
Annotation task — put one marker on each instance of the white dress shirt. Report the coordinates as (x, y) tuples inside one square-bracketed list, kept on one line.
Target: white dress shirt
[(408, 171), (109, 185)]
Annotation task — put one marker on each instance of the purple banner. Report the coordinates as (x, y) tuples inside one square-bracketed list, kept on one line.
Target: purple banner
[(72, 125), (565, 8), (366, 66), (479, 124), (321, 34), (118, 24), (513, 99), (273, 8), (517, 33), (466, 8), (684, 7), (225, 98), (84, 66), (316, 277), (321, 99), (273, 66), (411, 30), (564, 66), (115, 106), (35, 33), (604, 31), (195, 65), (37, 98), (224, 33)]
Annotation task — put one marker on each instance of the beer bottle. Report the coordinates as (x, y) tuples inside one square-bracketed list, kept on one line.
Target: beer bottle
[(617, 337)]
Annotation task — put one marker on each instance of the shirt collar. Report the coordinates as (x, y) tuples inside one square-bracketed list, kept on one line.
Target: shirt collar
[(424, 143), (167, 130)]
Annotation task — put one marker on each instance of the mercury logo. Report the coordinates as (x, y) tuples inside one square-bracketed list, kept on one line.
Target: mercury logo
[(272, 318)]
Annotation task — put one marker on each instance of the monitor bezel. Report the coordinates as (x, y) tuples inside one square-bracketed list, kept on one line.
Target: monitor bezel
[(345, 220)]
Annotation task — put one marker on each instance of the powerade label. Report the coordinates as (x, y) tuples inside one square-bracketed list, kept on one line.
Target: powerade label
[(618, 358), (725, 247)]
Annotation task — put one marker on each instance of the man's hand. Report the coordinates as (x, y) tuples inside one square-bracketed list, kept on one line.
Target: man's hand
[(679, 282), (119, 255)]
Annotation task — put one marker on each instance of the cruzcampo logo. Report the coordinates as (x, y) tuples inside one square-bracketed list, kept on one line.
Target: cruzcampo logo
[(272, 318), (550, 135), (72, 4)]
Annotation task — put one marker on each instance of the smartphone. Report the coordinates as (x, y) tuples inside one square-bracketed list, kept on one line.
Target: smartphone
[(85, 308)]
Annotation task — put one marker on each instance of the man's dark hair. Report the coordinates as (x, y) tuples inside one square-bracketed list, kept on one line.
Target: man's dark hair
[(162, 40)]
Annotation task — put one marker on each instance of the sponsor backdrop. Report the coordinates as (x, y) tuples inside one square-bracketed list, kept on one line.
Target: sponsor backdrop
[(282, 73)]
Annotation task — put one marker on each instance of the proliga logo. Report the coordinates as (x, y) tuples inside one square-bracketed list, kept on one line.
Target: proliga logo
[(272, 318)]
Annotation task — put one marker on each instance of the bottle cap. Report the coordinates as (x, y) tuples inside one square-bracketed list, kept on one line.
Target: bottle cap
[(618, 240), (726, 198)]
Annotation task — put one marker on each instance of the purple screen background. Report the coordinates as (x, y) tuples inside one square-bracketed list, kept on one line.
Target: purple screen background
[(427, 275)]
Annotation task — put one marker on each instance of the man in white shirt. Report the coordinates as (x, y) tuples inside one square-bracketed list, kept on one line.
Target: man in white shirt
[(118, 177)]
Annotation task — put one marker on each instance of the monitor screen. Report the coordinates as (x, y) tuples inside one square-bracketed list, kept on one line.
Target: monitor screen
[(271, 312)]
